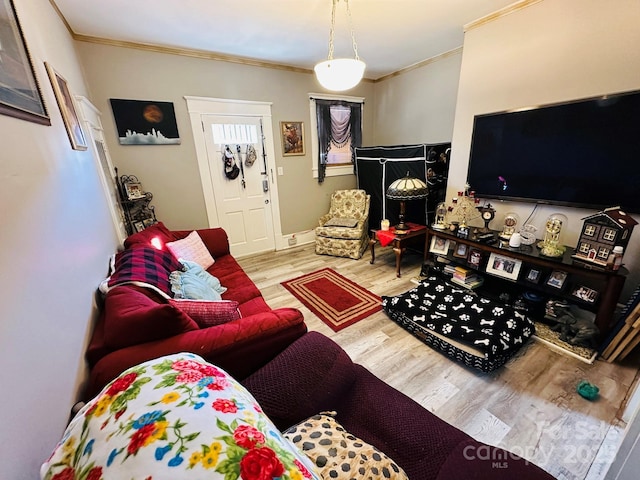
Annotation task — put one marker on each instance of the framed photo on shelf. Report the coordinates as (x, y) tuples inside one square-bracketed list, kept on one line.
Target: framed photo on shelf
[(557, 279), (475, 257), (139, 226), (148, 222), (133, 190), (503, 266), (533, 275), (585, 294), (439, 245), (461, 250), (292, 138)]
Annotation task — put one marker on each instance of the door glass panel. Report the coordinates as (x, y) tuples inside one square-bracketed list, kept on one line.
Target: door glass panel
[(237, 134)]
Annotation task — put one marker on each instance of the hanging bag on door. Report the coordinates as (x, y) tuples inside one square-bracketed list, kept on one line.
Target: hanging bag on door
[(231, 170), (250, 156)]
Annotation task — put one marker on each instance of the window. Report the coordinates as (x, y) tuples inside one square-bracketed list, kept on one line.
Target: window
[(609, 234), (336, 130), (590, 230), (603, 253), (227, 133), (584, 247)]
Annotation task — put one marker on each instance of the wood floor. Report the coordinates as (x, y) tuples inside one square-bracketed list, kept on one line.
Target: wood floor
[(529, 406)]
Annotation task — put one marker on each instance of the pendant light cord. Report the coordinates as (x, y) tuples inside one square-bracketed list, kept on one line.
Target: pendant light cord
[(333, 29)]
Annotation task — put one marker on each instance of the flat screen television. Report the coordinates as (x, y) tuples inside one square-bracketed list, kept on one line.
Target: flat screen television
[(583, 153)]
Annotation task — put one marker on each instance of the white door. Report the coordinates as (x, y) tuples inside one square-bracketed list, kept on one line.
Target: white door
[(243, 204), (93, 127)]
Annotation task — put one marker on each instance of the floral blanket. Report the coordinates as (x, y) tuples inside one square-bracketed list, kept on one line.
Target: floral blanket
[(176, 417)]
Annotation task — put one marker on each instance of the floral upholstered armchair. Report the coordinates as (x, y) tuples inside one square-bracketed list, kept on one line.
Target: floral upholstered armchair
[(343, 232)]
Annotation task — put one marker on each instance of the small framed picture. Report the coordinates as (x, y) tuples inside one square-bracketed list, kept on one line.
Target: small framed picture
[(502, 266), (439, 245), (533, 275), (148, 222), (475, 257), (292, 138), (461, 250), (557, 279), (139, 226), (133, 190), (585, 294), (67, 107)]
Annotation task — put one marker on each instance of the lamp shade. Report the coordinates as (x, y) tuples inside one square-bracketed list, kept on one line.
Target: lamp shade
[(338, 74), (407, 188)]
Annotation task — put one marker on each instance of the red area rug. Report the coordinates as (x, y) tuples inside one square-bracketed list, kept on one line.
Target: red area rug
[(336, 300)]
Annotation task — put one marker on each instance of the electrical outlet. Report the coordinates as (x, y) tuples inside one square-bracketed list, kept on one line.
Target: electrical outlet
[(280, 171), (292, 241)]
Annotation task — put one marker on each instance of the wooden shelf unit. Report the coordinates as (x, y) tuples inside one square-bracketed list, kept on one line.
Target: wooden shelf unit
[(607, 283)]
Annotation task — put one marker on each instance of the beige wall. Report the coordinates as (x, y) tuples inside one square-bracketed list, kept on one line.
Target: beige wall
[(56, 238), (171, 172), (418, 106), (552, 51)]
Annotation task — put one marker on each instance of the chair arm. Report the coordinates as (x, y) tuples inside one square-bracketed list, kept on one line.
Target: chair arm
[(240, 347), (324, 219)]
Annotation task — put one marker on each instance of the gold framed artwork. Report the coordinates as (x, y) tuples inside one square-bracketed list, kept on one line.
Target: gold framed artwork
[(20, 94), (67, 109), (292, 134)]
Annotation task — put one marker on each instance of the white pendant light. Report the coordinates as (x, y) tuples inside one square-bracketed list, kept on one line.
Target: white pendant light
[(340, 73)]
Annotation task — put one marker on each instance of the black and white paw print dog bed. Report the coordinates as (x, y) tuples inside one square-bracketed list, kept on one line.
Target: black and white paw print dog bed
[(477, 331)]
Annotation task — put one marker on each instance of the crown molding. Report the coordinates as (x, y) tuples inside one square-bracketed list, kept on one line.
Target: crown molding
[(420, 64), (508, 10)]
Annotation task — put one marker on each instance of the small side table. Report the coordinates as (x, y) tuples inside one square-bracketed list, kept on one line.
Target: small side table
[(400, 242)]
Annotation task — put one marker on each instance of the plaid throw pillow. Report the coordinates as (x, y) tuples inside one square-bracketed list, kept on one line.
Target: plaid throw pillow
[(208, 313), (144, 264)]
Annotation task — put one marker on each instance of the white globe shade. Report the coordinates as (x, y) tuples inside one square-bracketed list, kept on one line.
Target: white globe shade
[(340, 74)]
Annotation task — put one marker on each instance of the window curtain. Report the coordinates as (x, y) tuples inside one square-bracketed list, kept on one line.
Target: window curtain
[(333, 130)]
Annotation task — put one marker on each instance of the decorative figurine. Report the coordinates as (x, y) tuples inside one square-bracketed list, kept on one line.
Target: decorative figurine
[(601, 232), (509, 228)]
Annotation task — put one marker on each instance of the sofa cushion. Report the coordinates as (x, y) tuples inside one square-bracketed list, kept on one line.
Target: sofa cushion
[(146, 237), (339, 454), (207, 313), (131, 317), (193, 249), (176, 416), (146, 265)]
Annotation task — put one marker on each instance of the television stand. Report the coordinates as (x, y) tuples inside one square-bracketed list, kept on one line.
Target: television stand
[(524, 273)]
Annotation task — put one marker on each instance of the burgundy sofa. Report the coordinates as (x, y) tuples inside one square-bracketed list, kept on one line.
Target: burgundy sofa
[(137, 324), (314, 375)]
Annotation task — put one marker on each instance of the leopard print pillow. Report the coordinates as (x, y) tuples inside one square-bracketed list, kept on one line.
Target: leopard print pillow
[(338, 454)]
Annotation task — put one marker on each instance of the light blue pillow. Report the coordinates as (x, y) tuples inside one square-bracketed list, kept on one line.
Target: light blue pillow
[(189, 285), (196, 269)]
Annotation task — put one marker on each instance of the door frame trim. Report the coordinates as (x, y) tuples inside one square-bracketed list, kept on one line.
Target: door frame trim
[(201, 106)]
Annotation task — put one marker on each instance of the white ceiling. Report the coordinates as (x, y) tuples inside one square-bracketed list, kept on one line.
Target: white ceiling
[(390, 34)]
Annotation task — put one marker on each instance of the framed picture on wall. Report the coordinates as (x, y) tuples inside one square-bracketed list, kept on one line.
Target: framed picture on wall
[(20, 94), (292, 138), (145, 122), (68, 110)]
